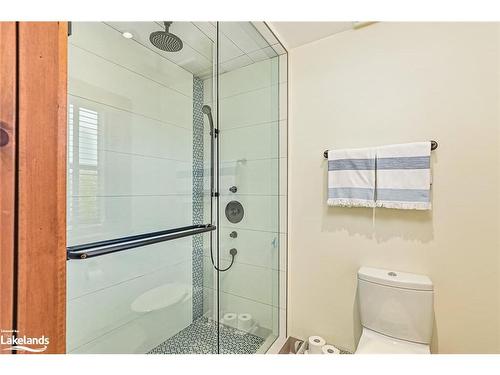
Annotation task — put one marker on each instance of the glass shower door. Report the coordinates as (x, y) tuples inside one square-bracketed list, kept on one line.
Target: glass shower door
[(139, 197), (249, 186)]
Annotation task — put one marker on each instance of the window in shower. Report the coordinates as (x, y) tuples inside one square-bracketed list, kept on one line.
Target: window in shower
[(83, 164)]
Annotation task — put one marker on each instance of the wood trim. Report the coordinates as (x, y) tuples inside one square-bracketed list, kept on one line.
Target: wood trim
[(41, 308), (7, 172)]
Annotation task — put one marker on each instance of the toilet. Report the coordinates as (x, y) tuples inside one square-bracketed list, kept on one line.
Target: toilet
[(396, 310)]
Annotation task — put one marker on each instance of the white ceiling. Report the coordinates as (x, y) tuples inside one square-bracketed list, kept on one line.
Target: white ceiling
[(240, 44), (295, 34)]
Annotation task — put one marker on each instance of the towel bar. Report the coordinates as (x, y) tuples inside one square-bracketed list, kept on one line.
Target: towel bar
[(434, 145)]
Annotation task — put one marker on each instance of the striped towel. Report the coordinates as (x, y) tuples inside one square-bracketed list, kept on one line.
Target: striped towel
[(351, 177), (403, 176)]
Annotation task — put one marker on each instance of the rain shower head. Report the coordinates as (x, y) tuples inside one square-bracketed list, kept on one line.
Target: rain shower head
[(165, 40)]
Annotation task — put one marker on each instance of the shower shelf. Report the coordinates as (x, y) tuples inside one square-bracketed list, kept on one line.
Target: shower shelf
[(125, 243)]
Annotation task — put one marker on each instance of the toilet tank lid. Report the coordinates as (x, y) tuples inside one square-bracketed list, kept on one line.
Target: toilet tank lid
[(395, 278)]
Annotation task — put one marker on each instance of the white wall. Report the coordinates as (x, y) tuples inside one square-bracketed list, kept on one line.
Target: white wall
[(137, 148), (251, 125), (392, 83)]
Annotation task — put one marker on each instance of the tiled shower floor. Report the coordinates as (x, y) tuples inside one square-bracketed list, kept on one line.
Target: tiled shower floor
[(200, 337)]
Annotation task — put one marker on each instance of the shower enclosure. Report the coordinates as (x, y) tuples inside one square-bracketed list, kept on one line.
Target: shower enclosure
[(176, 175)]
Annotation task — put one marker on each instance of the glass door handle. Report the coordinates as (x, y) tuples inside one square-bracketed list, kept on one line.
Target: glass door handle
[(94, 249)]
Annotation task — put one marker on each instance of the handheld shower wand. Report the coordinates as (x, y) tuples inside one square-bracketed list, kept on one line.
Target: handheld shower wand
[(208, 111)]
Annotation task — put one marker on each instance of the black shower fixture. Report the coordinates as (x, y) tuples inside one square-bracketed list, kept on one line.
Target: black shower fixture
[(165, 40)]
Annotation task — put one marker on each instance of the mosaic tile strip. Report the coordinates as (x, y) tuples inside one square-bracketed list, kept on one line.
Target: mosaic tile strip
[(200, 337), (197, 267)]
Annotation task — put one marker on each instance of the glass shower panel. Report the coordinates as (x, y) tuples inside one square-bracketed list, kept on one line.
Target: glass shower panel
[(249, 126), (137, 172)]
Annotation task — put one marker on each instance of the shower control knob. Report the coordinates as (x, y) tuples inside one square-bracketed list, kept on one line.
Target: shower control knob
[(233, 189), (233, 234)]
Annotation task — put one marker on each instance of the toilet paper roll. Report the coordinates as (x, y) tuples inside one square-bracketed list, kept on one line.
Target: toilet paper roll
[(230, 319), (315, 344), (245, 322), (329, 349), (297, 346)]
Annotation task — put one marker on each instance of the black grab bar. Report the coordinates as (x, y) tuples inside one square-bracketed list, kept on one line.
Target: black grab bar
[(95, 249)]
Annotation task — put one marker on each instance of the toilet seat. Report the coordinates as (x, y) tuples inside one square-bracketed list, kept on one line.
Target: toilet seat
[(372, 342)]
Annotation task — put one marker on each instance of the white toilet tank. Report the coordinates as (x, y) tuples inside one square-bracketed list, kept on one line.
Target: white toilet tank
[(396, 304)]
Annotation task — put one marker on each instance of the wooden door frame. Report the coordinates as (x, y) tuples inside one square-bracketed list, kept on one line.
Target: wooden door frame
[(39, 243), (41, 288), (8, 86)]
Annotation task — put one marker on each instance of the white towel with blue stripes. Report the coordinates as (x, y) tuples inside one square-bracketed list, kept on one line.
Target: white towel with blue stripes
[(403, 176), (351, 177)]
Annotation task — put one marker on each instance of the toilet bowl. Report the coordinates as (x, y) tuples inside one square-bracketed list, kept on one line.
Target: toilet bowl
[(372, 342), (396, 310)]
